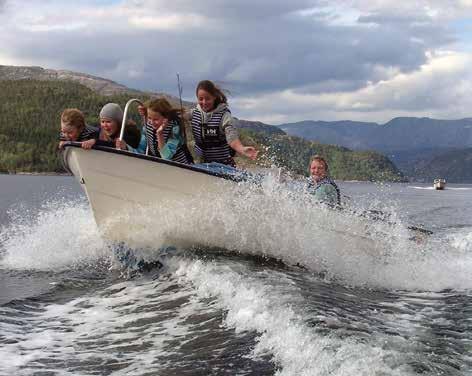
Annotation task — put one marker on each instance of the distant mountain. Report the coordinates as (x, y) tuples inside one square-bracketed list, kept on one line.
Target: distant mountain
[(454, 166), (411, 143), (399, 134), (99, 85), (258, 126)]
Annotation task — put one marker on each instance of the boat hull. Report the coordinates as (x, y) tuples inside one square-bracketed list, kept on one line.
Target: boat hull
[(148, 203), (117, 185)]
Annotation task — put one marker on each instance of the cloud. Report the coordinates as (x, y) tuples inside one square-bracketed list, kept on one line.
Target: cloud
[(440, 88), (437, 10), (305, 58)]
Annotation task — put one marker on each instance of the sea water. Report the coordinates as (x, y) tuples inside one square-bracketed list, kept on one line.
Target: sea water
[(370, 302)]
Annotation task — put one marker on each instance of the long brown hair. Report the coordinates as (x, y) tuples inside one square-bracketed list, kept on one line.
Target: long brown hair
[(163, 106), (214, 90)]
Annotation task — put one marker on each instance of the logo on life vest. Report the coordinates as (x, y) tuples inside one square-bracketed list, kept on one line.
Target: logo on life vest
[(210, 132)]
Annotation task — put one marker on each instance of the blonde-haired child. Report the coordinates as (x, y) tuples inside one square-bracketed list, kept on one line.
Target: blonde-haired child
[(73, 128)]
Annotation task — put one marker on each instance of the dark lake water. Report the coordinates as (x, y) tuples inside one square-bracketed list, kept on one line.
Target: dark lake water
[(400, 307)]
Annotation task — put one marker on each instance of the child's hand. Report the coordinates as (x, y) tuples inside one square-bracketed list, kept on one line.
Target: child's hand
[(163, 126), (120, 144), (88, 144), (142, 111), (250, 152), (61, 145)]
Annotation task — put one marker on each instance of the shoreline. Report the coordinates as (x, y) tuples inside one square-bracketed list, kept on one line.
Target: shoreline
[(37, 173), (340, 180)]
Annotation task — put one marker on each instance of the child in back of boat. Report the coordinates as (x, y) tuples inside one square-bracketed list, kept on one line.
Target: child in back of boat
[(164, 132), (216, 138), (73, 128), (321, 186)]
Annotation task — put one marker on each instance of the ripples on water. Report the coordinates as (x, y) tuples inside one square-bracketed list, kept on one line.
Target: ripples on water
[(70, 310)]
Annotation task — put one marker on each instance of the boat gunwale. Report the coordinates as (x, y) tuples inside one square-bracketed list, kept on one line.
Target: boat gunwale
[(127, 153)]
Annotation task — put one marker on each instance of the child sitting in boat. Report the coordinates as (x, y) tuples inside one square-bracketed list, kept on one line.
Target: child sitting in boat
[(216, 139), (323, 188), (165, 132), (111, 118), (73, 128)]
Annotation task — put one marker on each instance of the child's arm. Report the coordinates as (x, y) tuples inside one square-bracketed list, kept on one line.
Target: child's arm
[(233, 138), (169, 148), (247, 151), (88, 144)]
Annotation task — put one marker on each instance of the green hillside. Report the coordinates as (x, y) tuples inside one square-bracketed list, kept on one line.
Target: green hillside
[(294, 153), (454, 166), (30, 121), (29, 126)]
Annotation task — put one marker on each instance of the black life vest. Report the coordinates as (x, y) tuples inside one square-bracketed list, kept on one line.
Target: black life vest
[(210, 137)]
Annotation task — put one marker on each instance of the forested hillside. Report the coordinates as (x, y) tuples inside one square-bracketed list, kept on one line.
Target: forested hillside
[(294, 153), (29, 127), (30, 121), (454, 166)]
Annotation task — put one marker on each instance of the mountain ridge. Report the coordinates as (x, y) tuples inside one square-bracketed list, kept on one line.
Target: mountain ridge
[(29, 132), (100, 85)]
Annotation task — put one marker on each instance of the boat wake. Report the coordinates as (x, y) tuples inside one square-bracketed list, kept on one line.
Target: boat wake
[(425, 188), (60, 235), (280, 224), (448, 188), (210, 312)]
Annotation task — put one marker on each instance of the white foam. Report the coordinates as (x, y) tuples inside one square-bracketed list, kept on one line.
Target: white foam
[(288, 225), (448, 188), (462, 241), (270, 220), (425, 188), (295, 347), (100, 327), (57, 236)]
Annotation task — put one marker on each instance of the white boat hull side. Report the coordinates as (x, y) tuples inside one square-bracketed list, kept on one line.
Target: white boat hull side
[(117, 185), (148, 203)]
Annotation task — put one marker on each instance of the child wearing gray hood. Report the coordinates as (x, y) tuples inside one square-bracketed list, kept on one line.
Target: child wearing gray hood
[(111, 119)]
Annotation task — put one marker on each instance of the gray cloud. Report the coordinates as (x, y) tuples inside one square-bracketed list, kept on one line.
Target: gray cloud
[(256, 47)]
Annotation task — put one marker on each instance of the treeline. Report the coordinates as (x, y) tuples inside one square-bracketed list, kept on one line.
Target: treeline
[(294, 153), (30, 121)]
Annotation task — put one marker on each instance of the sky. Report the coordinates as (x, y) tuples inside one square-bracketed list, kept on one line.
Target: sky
[(281, 61)]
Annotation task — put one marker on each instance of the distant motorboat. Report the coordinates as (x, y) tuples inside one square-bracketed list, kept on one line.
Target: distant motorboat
[(439, 184)]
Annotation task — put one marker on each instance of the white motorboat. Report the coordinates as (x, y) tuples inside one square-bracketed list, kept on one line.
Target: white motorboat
[(439, 184), (121, 186), (148, 202)]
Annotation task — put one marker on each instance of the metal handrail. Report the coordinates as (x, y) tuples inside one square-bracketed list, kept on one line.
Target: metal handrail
[(125, 113)]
